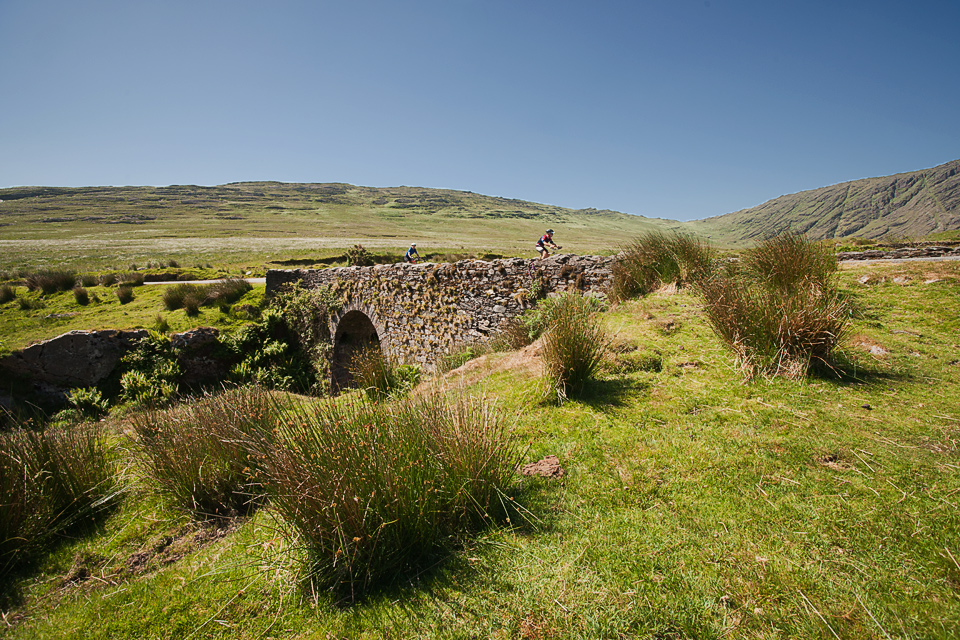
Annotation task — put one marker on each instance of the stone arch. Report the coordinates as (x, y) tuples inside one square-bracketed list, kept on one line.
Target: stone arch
[(354, 327)]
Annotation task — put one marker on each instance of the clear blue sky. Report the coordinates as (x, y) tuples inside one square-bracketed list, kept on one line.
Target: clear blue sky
[(678, 109)]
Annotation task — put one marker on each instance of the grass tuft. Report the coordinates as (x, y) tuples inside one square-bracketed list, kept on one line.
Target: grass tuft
[(574, 344), (377, 491), (50, 480), (125, 294), (204, 455), (7, 293), (782, 311), (656, 259), (81, 295), (51, 281)]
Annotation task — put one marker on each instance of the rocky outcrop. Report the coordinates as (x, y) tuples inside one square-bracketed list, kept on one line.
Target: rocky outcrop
[(899, 254), (74, 359), (85, 358)]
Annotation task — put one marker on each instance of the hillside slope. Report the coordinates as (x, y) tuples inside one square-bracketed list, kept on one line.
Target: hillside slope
[(907, 204), (328, 215)]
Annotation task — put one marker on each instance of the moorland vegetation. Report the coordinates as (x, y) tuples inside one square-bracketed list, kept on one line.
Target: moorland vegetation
[(764, 447)]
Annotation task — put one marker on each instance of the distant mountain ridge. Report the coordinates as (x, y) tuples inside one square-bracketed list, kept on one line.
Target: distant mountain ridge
[(902, 205), (905, 205)]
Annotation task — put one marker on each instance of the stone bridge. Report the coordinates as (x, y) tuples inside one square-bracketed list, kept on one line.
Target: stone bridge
[(419, 313)]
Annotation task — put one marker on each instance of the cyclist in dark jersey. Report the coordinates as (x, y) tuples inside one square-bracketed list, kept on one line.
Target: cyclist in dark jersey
[(545, 241), (411, 255)]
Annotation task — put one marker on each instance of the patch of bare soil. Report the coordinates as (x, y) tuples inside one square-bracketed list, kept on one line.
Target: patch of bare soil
[(548, 467), (526, 360), (90, 570), (870, 346), (833, 461)]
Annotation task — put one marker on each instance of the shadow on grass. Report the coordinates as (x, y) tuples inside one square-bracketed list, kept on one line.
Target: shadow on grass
[(847, 370), (21, 566), (529, 507), (615, 392)]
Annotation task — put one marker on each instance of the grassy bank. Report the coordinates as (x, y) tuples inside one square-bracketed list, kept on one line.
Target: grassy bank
[(693, 505), (33, 316)]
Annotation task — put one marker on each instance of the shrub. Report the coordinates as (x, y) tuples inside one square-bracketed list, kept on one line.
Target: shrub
[(125, 294), (150, 372), (378, 490), (81, 295), (574, 344), (227, 291), (7, 293), (50, 281), (357, 256), (108, 279), (269, 355), (88, 402), (173, 264), (379, 376), (205, 455), (782, 311), (306, 313), (49, 481), (175, 295), (655, 259)]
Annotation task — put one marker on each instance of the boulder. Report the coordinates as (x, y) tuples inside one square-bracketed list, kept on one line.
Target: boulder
[(74, 359)]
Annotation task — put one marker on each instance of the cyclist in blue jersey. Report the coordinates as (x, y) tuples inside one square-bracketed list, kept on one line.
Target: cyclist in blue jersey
[(411, 255)]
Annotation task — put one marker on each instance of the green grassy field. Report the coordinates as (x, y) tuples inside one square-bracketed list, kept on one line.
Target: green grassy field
[(248, 224), (60, 312), (693, 505)]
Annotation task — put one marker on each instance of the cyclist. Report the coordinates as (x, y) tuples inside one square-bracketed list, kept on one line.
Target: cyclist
[(411, 255), (545, 241)]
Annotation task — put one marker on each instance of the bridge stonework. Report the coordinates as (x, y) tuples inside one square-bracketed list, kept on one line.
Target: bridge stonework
[(424, 311)]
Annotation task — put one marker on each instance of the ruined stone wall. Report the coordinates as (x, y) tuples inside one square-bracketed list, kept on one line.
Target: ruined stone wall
[(423, 311), (86, 358)]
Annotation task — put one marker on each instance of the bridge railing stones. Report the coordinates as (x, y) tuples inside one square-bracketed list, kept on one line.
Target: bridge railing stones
[(424, 311)]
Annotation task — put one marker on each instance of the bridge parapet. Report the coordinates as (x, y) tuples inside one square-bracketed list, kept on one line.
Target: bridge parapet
[(424, 311)]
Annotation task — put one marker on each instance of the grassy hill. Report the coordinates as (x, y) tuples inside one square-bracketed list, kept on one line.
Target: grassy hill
[(114, 226), (903, 205), (247, 223)]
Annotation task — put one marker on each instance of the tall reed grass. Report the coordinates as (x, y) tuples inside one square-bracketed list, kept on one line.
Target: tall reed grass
[(573, 345), (191, 297), (51, 281), (50, 481), (789, 261), (656, 259), (379, 375), (781, 312), (377, 491), (7, 293), (205, 455)]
